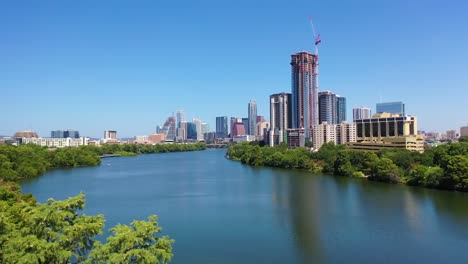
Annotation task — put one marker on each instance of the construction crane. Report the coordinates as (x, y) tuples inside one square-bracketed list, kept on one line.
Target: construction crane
[(317, 38)]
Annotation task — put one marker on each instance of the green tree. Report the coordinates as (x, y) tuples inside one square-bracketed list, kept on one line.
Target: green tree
[(48, 233), (384, 170), (432, 177), (343, 165), (137, 243), (456, 173)]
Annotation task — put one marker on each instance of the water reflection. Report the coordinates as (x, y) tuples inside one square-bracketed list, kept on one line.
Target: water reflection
[(327, 215)]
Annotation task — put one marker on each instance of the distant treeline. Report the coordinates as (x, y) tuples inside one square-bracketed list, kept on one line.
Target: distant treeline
[(442, 167), (27, 161)]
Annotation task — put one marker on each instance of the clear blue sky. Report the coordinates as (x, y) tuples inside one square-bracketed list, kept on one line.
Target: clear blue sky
[(127, 65)]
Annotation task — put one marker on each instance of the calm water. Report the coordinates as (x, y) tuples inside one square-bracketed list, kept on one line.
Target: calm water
[(220, 211)]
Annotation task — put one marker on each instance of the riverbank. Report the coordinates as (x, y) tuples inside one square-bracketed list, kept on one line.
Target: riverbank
[(27, 161), (443, 167), (50, 240)]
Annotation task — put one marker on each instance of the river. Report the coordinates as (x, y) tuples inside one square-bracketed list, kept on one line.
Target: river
[(220, 211)]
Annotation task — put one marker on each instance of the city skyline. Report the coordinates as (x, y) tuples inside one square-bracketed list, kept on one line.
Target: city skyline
[(119, 69)]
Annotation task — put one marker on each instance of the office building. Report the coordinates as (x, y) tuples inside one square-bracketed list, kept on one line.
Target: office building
[(25, 134), (110, 134), (192, 131), (55, 142), (345, 133), (198, 126), (180, 115), (464, 131), (324, 133), (252, 117), (451, 134), (340, 109), (141, 138), (304, 90), (205, 128), (246, 122), (361, 113), (388, 131), (260, 118), (156, 138), (238, 129), (182, 132), (392, 108), (295, 137), (65, 134), (169, 129), (262, 130), (233, 121), (280, 117), (221, 127), (327, 107), (337, 133)]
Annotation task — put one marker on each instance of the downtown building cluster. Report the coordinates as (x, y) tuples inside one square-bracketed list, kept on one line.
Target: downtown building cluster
[(309, 115), (305, 114)]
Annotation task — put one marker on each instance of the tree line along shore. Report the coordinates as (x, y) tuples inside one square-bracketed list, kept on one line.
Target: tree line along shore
[(58, 231), (443, 167)]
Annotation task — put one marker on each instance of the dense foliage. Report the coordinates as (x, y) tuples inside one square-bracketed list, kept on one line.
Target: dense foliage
[(441, 167), (125, 149), (56, 232), (26, 161)]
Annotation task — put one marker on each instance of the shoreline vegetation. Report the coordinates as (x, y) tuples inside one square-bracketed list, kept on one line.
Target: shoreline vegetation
[(58, 231), (444, 167)]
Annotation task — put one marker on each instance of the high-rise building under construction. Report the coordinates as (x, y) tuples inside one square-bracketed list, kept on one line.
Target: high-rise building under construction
[(304, 90)]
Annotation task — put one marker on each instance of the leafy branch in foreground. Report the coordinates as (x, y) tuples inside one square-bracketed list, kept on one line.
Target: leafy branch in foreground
[(56, 232)]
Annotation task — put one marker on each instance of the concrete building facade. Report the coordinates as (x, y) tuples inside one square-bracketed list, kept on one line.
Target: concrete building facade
[(389, 131), (280, 117), (304, 91), (361, 113)]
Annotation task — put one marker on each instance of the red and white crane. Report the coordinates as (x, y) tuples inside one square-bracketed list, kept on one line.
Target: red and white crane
[(317, 38)]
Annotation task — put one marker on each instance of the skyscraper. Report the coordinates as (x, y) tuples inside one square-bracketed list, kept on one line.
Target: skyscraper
[(192, 131), (252, 108), (245, 121), (221, 126), (340, 109), (280, 117), (234, 120), (361, 113), (304, 90), (169, 129), (198, 127), (205, 128), (180, 117), (327, 107), (392, 108)]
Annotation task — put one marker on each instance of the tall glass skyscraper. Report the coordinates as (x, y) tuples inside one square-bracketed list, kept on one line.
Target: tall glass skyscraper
[(252, 108), (327, 107), (393, 108), (340, 109), (221, 126), (304, 90)]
